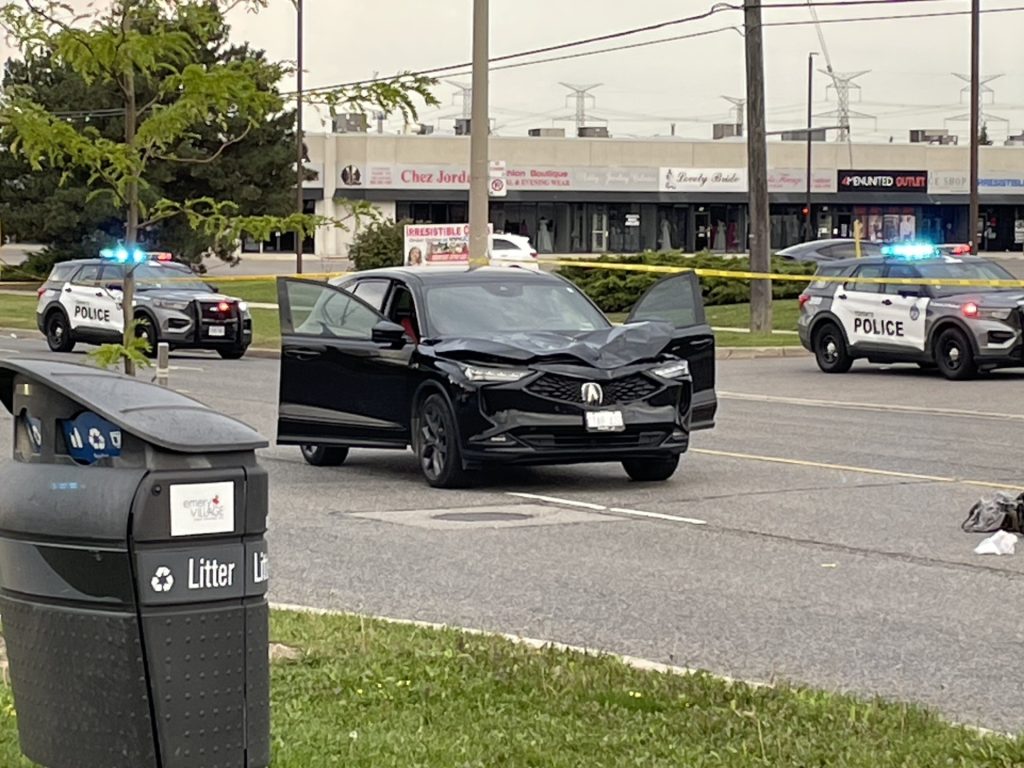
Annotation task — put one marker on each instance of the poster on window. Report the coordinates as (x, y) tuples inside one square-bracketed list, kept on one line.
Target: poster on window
[(908, 227), (432, 245)]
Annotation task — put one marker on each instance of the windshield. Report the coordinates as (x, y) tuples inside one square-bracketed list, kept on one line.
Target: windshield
[(964, 270), (150, 277), (499, 307)]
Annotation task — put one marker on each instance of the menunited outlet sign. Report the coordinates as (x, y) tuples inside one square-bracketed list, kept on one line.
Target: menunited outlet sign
[(883, 181)]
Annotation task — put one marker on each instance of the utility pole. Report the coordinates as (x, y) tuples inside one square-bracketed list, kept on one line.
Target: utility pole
[(808, 231), (757, 170), (972, 215), (300, 164), (480, 128)]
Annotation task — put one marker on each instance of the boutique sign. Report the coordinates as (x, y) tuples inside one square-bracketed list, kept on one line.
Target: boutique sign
[(883, 181)]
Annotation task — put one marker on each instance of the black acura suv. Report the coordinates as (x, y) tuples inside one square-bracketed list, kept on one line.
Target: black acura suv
[(495, 365)]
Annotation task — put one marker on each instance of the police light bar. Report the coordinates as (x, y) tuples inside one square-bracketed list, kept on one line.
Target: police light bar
[(909, 250), (123, 255)]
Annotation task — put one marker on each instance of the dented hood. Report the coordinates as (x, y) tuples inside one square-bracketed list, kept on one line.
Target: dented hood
[(607, 348)]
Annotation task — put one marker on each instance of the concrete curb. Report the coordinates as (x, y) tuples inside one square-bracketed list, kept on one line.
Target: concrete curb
[(758, 353)]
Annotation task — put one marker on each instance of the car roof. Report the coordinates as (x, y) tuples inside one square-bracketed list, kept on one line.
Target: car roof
[(460, 274), (901, 260), (813, 245)]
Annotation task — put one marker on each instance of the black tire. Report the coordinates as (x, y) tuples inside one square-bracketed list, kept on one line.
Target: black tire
[(830, 349), (651, 470), (436, 444), (954, 356), (232, 354), (58, 332), (146, 330), (323, 455)]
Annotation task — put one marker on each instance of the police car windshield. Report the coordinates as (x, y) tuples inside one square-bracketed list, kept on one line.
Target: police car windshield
[(963, 270), (151, 277)]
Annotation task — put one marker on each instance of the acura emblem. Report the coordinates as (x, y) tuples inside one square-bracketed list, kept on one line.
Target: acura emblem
[(592, 393)]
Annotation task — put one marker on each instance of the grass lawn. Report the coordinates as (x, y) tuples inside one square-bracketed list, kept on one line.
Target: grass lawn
[(18, 311), (379, 695), (261, 291), (784, 315)]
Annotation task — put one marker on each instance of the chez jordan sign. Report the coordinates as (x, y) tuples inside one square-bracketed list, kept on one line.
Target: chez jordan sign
[(883, 181)]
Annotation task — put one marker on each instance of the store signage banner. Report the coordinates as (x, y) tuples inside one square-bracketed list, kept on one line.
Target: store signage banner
[(433, 245), (794, 180), (703, 179), (989, 183), (883, 181), (518, 177)]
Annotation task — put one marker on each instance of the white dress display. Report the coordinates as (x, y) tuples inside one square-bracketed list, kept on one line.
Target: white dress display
[(544, 244), (666, 235)]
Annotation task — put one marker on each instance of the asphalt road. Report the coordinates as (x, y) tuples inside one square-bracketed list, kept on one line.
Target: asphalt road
[(831, 554)]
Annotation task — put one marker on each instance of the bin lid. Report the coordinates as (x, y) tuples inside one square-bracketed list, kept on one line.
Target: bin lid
[(159, 416)]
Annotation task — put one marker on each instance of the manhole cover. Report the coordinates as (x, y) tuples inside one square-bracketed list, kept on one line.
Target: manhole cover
[(481, 517)]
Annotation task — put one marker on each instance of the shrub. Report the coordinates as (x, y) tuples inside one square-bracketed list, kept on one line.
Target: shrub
[(379, 245), (619, 290)]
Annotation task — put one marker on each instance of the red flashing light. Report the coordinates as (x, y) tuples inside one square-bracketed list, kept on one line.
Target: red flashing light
[(223, 306), (164, 257), (970, 309), (961, 249)]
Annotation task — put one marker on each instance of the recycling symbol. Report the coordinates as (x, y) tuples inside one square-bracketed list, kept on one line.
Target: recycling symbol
[(96, 439), (162, 580)]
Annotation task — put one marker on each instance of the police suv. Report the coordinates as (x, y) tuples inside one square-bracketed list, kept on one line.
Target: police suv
[(81, 302), (959, 330)]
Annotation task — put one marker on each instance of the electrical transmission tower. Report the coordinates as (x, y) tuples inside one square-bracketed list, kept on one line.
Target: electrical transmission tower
[(581, 95), (983, 91), (843, 85), (466, 92), (738, 108)]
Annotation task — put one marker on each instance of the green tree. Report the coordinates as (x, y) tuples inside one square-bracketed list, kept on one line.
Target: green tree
[(173, 103), (379, 245)]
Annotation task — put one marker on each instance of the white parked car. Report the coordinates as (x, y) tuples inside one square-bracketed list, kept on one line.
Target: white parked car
[(512, 248)]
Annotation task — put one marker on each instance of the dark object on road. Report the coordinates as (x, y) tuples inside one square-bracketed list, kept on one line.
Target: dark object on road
[(1004, 512), (829, 250), (476, 367), (134, 577)]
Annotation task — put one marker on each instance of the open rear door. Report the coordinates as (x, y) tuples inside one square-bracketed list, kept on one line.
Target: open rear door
[(677, 300)]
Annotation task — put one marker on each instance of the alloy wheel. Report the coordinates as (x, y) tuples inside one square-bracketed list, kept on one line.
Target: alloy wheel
[(434, 441)]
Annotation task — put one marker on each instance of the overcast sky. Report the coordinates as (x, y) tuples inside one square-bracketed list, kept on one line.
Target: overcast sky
[(643, 90)]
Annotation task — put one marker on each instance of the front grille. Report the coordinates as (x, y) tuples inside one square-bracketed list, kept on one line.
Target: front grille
[(628, 389), (578, 439)]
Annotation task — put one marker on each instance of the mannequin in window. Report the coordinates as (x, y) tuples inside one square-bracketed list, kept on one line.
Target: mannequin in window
[(544, 244), (719, 235), (665, 241)]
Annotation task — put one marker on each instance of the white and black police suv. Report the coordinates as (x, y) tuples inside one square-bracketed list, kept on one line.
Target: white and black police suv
[(81, 302), (959, 330)]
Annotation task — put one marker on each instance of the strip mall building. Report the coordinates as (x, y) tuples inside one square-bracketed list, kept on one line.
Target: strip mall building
[(603, 195)]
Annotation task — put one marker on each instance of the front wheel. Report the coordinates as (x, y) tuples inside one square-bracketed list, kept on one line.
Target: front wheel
[(232, 354), (146, 330), (651, 470), (58, 333), (954, 356), (437, 445), (830, 349), (324, 456)]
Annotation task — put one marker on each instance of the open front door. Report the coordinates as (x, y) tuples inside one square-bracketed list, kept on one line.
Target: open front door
[(344, 370), (677, 300)]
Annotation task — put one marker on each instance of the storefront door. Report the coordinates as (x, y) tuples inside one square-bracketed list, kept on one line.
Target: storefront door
[(599, 230)]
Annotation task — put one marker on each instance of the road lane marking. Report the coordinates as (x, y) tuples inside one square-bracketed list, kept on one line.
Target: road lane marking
[(554, 500), (860, 470), (883, 407), (186, 368), (658, 516), (9, 351)]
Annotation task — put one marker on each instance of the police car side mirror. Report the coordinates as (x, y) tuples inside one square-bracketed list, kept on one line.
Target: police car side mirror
[(910, 294), (215, 289), (114, 287)]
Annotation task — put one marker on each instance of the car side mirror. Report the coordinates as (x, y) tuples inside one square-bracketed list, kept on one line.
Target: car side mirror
[(912, 293), (114, 287), (386, 332), (215, 289)]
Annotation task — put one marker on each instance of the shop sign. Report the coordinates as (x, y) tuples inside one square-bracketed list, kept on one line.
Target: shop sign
[(519, 177), (703, 179), (989, 183), (794, 180), (635, 179), (1018, 231), (526, 178), (901, 182), (431, 245), (632, 219)]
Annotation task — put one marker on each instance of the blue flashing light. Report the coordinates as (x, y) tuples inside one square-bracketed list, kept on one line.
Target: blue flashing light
[(122, 255), (909, 250)]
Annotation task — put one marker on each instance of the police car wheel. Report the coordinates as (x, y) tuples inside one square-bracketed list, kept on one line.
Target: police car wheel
[(232, 354), (830, 349), (651, 470), (954, 356), (145, 330), (58, 333), (324, 456)]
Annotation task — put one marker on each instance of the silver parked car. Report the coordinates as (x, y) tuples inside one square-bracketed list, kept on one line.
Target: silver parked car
[(829, 250)]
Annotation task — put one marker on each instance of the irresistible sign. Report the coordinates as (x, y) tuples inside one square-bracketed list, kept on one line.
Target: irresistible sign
[(428, 245), (883, 181)]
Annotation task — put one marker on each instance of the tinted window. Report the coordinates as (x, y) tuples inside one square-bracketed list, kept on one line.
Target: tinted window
[(154, 275), (868, 270), (963, 270), (827, 272), (318, 310), (498, 307), (89, 274), (112, 273), (675, 300), (372, 292), (502, 245), (903, 271), (62, 273)]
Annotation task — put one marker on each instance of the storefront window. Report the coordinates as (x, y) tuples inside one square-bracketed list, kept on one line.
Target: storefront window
[(672, 227), (727, 228)]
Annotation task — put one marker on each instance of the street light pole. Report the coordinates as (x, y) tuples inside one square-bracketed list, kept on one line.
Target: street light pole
[(975, 119), (757, 170), (300, 167), (479, 135), (808, 232)]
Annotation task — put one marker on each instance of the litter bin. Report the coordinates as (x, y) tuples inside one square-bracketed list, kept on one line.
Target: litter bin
[(133, 574)]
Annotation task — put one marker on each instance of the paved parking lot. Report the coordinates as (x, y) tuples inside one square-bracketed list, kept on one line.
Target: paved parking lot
[(813, 536)]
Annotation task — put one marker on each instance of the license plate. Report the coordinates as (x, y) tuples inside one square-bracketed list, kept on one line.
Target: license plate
[(604, 421), (217, 330)]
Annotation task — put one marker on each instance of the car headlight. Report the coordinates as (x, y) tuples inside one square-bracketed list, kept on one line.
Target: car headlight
[(676, 370), (996, 314), (503, 375), (178, 306), (243, 306)]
